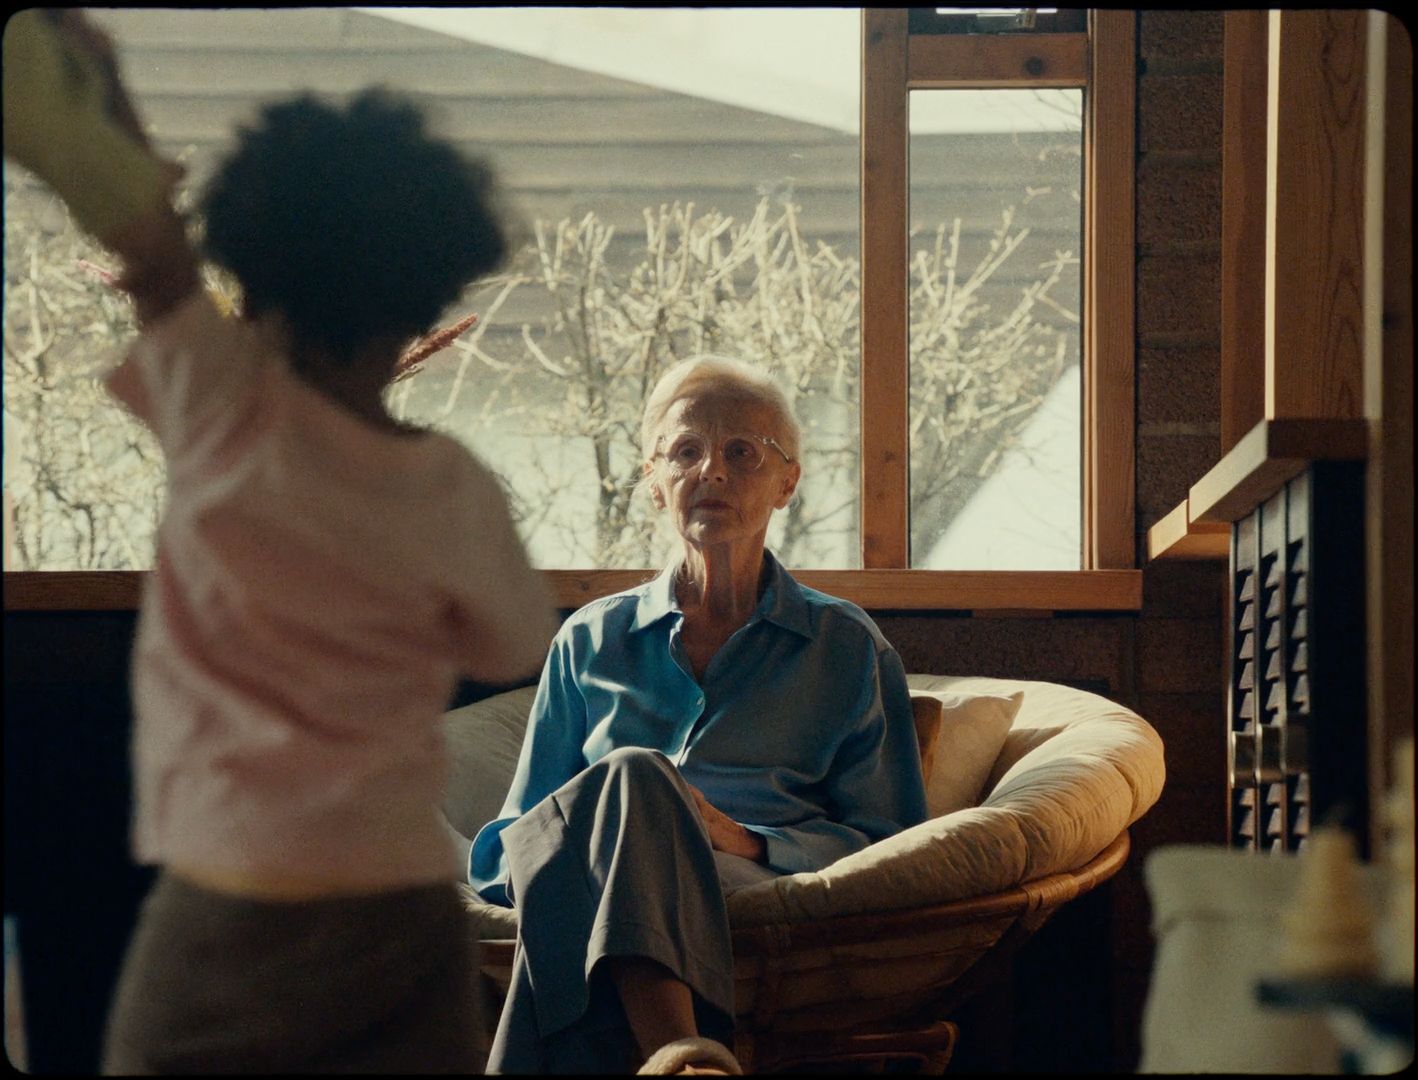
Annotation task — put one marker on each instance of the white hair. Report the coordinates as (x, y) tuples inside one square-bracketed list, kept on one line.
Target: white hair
[(712, 374)]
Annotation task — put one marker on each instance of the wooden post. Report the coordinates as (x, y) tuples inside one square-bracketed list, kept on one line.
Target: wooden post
[(1389, 399)]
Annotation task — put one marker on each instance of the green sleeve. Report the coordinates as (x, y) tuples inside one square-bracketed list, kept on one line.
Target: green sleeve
[(56, 125)]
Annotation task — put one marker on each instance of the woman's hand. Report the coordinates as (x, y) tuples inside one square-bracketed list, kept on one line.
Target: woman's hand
[(726, 834)]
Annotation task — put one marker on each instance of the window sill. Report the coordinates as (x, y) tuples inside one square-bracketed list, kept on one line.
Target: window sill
[(1033, 591)]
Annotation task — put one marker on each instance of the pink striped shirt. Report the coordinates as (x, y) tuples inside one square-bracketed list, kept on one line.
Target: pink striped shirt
[(320, 585)]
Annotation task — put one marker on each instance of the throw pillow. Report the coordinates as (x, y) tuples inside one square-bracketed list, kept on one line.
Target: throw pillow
[(484, 740), (927, 711), (972, 732)]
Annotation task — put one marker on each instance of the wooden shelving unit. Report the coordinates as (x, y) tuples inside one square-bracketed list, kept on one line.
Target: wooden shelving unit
[(1286, 504), (1266, 458), (1286, 499), (1262, 462), (1295, 662), (1180, 535)]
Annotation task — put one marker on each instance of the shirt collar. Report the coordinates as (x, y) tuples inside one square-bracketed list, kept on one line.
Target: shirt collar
[(782, 603), (657, 600)]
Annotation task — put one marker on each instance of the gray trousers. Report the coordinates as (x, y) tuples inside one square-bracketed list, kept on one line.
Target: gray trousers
[(616, 862)]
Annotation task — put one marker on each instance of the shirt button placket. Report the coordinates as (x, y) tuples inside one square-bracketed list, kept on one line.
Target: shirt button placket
[(696, 714)]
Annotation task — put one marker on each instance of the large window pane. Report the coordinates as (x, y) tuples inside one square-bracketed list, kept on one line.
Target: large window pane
[(686, 180), (995, 401), (703, 197)]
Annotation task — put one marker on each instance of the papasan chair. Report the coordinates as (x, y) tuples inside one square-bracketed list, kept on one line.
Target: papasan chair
[(1032, 787)]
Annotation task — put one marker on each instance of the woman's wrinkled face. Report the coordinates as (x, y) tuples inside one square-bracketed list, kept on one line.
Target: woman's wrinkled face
[(703, 470)]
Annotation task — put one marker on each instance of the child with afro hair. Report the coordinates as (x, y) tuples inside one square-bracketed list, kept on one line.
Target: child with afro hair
[(324, 574)]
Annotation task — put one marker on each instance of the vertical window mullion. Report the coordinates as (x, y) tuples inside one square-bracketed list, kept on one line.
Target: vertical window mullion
[(885, 385), (1108, 376)]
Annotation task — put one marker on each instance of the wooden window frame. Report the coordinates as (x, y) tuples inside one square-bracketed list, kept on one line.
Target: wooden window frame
[(895, 62), (1101, 61), (934, 21)]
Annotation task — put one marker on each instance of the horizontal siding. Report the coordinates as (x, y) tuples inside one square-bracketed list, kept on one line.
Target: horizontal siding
[(831, 222), (566, 142), (524, 120), (830, 211), (218, 29), (197, 74), (529, 304), (825, 184), (937, 161), (283, 67), (992, 163)]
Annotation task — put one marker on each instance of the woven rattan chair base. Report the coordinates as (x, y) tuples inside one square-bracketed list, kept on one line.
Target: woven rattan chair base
[(867, 990)]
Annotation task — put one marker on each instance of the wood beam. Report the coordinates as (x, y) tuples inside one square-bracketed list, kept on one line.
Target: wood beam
[(985, 61)]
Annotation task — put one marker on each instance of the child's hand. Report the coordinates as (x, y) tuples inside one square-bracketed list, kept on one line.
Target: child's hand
[(69, 120), (86, 39), (159, 267)]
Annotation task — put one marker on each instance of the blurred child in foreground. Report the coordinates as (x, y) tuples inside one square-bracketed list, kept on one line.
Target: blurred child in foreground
[(324, 574)]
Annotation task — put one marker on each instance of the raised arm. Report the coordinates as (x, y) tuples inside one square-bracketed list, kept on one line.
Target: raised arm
[(69, 120)]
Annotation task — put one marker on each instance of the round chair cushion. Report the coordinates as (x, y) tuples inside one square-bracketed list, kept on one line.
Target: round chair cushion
[(1074, 771)]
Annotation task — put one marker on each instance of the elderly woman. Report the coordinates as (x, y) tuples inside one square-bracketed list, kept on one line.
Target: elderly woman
[(715, 727)]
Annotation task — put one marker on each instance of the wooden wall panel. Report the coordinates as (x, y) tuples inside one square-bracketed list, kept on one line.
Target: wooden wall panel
[(1315, 215), (943, 61), (1243, 170)]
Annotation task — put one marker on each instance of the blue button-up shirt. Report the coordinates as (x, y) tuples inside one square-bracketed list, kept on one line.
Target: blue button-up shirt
[(801, 729)]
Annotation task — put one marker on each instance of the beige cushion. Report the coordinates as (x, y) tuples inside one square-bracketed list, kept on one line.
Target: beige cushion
[(1074, 771), (926, 712), (484, 740), (967, 741)]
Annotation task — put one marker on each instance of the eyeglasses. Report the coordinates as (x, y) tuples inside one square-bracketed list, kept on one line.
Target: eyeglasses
[(743, 453)]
